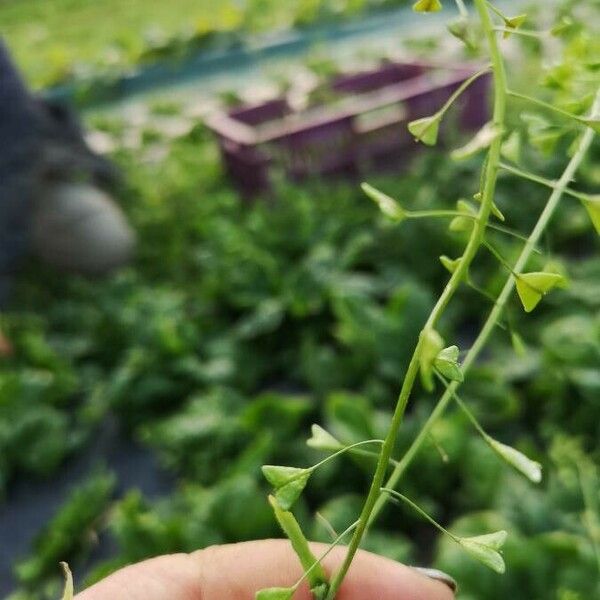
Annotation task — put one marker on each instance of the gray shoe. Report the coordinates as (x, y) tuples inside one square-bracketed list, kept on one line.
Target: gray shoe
[(78, 228)]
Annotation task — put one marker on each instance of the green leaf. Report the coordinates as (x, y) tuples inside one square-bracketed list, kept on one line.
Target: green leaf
[(426, 6), (288, 483), (450, 264), (517, 460), (483, 138), (66, 531), (426, 129), (531, 287), (592, 205), (323, 440), (431, 346), (276, 593), (446, 362), (485, 549), (68, 591), (387, 205), (513, 23)]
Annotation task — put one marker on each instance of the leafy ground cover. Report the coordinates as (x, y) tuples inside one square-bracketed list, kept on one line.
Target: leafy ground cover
[(56, 41), (241, 324)]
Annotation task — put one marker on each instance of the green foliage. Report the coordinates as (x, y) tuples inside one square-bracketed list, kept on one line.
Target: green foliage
[(548, 538), (68, 531), (240, 325), (101, 42)]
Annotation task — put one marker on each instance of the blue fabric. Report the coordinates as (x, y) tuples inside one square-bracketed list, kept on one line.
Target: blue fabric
[(19, 124), (40, 143)]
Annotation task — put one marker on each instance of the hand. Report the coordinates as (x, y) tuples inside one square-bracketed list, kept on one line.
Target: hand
[(237, 571)]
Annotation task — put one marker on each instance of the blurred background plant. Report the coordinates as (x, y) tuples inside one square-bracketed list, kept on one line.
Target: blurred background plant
[(240, 324)]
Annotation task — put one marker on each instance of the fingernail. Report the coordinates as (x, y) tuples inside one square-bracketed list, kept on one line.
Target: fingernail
[(438, 576)]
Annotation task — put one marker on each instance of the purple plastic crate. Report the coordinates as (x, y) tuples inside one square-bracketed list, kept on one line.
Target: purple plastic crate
[(362, 129)]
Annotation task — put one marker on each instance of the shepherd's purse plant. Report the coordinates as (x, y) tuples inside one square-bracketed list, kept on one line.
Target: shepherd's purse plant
[(436, 361)]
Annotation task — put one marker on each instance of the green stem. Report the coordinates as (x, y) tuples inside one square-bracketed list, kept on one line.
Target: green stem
[(462, 9), (475, 239), (496, 311), (465, 409), (417, 508), (372, 455), (496, 11), (463, 86), (316, 575), (523, 32), (317, 563), (542, 181), (480, 290), (498, 257), (510, 232), (426, 214), (345, 449), (546, 105)]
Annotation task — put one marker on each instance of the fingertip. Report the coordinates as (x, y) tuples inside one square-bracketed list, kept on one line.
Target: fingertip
[(440, 576), (237, 571), (372, 576)]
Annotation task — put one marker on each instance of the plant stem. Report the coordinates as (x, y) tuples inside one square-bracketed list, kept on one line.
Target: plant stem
[(468, 412), (426, 214), (487, 195), (311, 565), (463, 86), (542, 181), (317, 563), (498, 256), (496, 311), (333, 456), (418, 509), (510, 232), (462, 9), (545, 105), (523, 32), (443, 214)]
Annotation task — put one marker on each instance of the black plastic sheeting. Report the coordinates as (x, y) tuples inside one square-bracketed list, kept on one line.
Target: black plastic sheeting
[(31, 504)]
